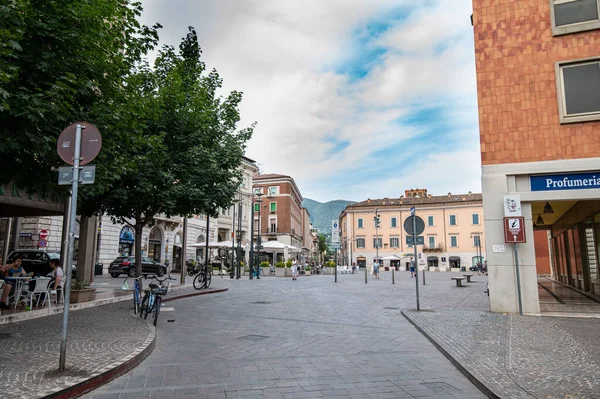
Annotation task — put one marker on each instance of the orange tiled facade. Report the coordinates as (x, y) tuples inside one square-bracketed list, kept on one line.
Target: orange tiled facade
[(517, 89)]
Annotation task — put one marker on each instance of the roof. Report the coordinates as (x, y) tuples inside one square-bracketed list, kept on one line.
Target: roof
[(269, 176), (426, 201)]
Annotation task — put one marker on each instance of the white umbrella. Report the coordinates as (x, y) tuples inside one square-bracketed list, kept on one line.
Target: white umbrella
[(213, 244), (392, 257)]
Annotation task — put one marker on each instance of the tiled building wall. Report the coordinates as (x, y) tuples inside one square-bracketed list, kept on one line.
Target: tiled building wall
[(518, 110)]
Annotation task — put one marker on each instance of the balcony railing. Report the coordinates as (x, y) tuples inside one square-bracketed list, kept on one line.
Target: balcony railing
[(437, 247)]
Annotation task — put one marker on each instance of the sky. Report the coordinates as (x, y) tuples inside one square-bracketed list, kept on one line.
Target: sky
[(354, 99)]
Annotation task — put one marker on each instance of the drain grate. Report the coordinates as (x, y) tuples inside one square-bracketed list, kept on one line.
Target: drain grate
[(252, 337), (391, 308), (261, 302)]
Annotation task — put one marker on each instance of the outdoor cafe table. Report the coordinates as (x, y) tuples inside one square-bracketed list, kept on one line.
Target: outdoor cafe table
[(19, 284)]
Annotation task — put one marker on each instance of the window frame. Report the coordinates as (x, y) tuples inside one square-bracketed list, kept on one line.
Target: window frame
[(379, 241), (276, 188), (429, 242), (456, 238), (432, 221), (473, 219), (560, 90), (363, 242), (572, 28), (271, 206), (360, 223), (397, 242), (450, 220), (476, 237), (395, 222)]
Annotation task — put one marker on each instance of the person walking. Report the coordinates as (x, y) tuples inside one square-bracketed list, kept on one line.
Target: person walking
[(376, 269), (412, 267), (294, 270)]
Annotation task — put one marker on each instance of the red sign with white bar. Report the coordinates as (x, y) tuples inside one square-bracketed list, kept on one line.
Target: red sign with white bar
[(43, 234), (514, 230)]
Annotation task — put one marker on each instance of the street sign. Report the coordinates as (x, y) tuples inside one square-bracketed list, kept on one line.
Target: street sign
[(335, 232), (335, 246), (420, 240), (514, 230), (91, 143), (408, 225), (43, 234), (412, 211), (42, 243), (87, 175), (512, 205)]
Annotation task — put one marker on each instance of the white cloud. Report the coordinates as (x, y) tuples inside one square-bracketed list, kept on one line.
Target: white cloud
[(280, 53)]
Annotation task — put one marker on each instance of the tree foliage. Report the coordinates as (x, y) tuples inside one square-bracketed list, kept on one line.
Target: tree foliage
[(63, 61), (184, 149), (322, 245)]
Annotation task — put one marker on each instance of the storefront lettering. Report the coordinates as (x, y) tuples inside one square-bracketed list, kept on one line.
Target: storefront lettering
[(565, 182)]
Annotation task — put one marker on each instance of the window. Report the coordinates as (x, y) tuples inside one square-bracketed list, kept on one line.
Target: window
[(393, 222), (274, 190), (360, 243), (578, 90), (453, 241), (430, 221), (273, 206), (377, 242), (258, 190), (476, 241), (452, 220), (394, 242), (272, 225), (256, 224), (256, 207), (570, 16), (361, 223), (475, 218), (431, 242)]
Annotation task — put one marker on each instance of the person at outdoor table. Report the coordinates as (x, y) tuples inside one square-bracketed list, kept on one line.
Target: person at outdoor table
[(58, 277), (13, 270), (6, 287)]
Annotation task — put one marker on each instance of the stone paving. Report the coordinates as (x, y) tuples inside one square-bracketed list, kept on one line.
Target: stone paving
[(99, 340), (311, 338)]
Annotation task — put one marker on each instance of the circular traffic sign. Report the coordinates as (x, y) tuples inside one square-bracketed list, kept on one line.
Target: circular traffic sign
[(42, 243), (43, 234), (419, 224), (91, 143)]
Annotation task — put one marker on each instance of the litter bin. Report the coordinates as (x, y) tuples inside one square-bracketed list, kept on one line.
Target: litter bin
[(98, 269), (463, 269)]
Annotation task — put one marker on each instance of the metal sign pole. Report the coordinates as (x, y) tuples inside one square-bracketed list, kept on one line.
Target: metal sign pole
[(518, 279), (414, 218), (67, 287)]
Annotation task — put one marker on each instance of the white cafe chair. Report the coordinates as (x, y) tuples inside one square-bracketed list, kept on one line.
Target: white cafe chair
[(41, 287)]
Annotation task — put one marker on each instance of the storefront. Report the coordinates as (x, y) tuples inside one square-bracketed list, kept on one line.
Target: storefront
[(177, 252), (155, 244), (433, 261), (126, 241)]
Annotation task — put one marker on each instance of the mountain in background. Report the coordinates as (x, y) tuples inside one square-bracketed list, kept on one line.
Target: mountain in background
[(321, 214)]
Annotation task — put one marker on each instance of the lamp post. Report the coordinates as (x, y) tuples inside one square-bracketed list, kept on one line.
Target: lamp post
[(239, 240), (259, 201), (477, 236), (377, 221)]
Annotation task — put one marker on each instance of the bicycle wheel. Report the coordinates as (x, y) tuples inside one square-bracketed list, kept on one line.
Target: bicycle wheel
[(199, 281), (144, 308), (156, 309), (208, 280)]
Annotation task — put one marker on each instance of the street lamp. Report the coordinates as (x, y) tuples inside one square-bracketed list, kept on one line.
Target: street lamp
[(259, 201), (477, 236), (377, 221)]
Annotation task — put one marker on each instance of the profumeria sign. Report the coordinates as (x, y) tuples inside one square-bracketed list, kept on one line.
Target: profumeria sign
[(571, 181)]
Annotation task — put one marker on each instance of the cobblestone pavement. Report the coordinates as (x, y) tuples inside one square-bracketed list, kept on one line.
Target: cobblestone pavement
[(520, 356), (100, 339), (311, 338)]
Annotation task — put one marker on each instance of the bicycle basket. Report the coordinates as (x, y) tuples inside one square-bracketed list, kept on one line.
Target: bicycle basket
[(160, 291)]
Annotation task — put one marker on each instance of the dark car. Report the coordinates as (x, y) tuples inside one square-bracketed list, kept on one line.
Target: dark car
[(36, 261), (126, 265)]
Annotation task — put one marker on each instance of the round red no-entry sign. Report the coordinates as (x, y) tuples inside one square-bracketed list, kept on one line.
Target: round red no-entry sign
[(43, 234), (91, 143)]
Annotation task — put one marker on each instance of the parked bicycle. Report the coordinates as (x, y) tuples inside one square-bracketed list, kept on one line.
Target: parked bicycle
[(137, 292), (152, 299), (203, 278)]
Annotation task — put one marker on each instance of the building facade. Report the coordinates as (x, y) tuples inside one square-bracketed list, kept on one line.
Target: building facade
[(453, 236), (280, 210), (538, 84), (307, 241)]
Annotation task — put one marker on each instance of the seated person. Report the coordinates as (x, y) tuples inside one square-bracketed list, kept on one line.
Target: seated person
[(57, 275), (13, 270), (272, 269), (6, 287)]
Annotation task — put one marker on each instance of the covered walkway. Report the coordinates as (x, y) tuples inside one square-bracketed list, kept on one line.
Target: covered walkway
[(559, 300)]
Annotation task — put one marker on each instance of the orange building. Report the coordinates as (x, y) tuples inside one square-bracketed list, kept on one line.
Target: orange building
[(538, 83)]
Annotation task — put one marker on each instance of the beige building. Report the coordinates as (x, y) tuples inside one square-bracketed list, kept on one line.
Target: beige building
[(453, 236)]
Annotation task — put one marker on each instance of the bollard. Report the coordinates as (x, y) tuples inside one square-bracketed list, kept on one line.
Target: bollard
[(423, 276), (365, 274), (393, 280)]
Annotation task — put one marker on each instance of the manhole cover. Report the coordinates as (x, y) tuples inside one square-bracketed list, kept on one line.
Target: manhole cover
[(390, 308), (254, 337), (261, 302)]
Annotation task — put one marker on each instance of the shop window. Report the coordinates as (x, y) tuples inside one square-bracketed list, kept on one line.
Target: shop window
[(570, 16), (578, 89)]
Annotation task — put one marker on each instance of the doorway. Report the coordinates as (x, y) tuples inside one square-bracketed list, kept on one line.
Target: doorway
[(155, 244)]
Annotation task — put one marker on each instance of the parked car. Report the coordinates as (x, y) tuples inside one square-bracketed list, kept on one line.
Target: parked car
[(126, 265), (37, 261)]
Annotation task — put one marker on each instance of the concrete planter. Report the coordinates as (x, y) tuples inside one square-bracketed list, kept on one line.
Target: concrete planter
[(280, 272), (432, 269), (307, 273), (85, 295), (455, 269), (443, 269)]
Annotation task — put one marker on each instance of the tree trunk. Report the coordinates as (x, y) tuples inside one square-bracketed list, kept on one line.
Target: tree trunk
[(139, 228)]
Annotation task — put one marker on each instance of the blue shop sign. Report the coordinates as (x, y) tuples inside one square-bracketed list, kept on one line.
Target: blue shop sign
[(127, 235), (571, 181)]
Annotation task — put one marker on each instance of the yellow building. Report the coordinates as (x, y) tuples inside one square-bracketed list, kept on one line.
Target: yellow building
[(453, 236)]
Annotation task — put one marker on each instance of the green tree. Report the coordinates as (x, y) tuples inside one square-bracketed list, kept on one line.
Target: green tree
[(63, 61), (184, 149), (323, 248)]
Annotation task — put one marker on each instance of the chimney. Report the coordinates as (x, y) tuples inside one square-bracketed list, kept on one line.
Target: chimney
[(449, 194)]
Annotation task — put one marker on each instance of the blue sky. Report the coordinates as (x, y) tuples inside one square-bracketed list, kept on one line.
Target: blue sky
[(355, 99)]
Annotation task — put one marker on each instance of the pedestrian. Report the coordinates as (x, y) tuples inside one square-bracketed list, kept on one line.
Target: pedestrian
[(294, 270), (57, 276), (412, 267), (479, 268), (376, 268)]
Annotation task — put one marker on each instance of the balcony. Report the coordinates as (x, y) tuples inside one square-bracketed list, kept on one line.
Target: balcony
[(438, 247)]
